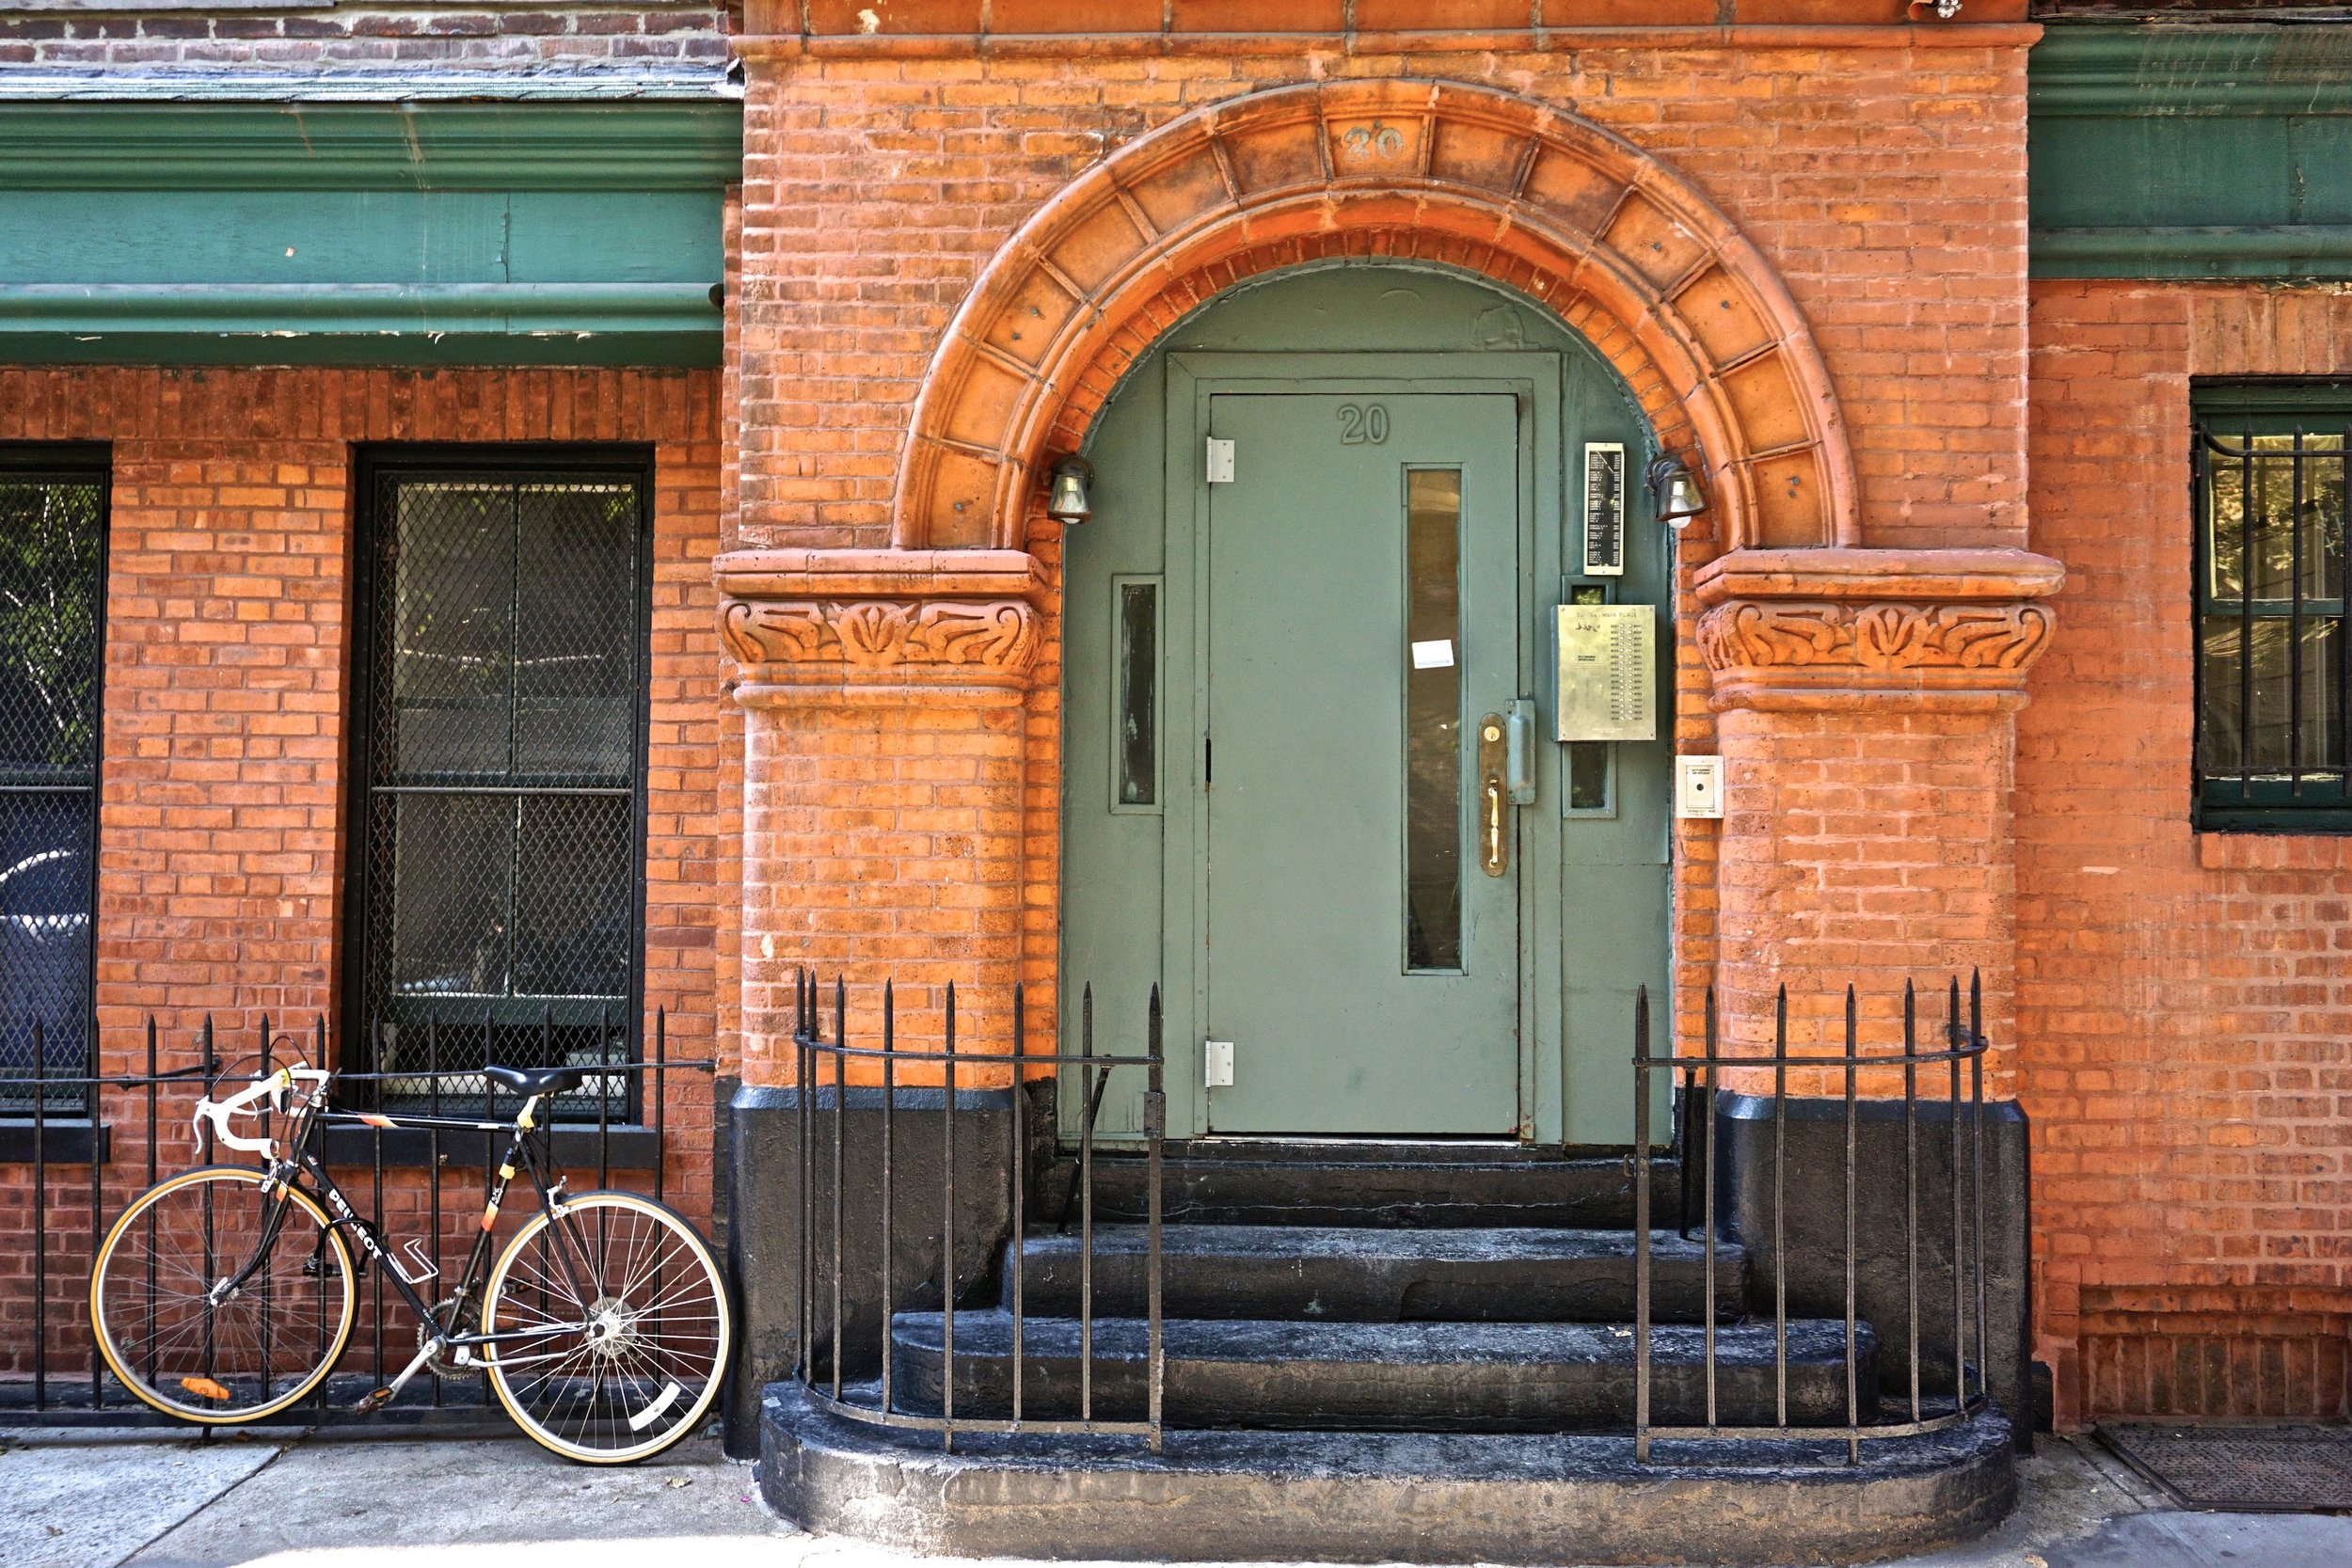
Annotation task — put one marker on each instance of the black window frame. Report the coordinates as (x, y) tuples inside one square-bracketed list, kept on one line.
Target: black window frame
[(374, 470), (2224, 415), (72, 463)]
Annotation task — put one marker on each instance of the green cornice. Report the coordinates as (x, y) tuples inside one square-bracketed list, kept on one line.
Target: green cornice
[(2108, 71), (2182, 152), (624, 146), (635, 324), (630, 323), (2308, 250)]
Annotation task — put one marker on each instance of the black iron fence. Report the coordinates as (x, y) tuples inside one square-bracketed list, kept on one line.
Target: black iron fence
[(1925, 1409), (826, 1326), (77, 1148), (855, 1275)]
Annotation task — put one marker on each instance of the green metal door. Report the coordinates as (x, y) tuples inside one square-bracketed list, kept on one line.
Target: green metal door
[(1359, 866), (1236, 608)]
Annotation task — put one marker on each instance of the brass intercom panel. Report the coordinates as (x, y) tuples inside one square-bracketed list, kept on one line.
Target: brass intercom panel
[(1608, 671)]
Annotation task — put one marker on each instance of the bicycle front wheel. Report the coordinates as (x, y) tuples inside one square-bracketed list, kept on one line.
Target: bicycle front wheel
[(614, 1328), (216, 1301)]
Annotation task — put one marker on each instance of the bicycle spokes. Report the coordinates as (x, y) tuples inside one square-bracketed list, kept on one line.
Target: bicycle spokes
[(612, 1328), (219, 1302)]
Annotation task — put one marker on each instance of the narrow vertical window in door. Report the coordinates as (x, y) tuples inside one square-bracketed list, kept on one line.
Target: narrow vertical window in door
[(1433, 720), (1135, 760)]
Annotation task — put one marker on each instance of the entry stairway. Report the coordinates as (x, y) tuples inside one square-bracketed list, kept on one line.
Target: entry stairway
[(1400, 1359)]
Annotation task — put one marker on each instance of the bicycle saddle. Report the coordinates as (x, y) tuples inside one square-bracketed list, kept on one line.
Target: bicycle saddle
[(530, 1081)]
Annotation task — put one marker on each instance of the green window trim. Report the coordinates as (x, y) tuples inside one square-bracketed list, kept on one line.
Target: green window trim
[(2274, 665)]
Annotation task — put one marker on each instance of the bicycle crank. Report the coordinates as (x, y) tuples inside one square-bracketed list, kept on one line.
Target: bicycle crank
[(439, 1359)]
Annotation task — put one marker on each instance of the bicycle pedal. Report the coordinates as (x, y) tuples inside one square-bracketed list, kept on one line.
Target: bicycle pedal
[(369, 1404)]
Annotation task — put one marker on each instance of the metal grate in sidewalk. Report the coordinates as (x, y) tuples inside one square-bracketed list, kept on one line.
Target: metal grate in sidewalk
[(2267, 1469)]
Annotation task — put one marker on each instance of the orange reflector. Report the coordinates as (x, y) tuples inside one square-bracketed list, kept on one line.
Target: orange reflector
[(205, 1387)]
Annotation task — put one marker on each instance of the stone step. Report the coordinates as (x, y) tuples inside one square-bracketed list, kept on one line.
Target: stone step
[(1375, 1274), (1417, 1192), (1397, 1377), (1258, 1496)]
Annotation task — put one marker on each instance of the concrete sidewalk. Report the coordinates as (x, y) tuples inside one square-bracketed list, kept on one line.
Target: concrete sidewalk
[(70, 1500)]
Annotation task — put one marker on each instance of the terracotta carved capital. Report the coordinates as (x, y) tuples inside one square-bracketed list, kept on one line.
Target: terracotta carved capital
[(806, 623), (1826, 628)]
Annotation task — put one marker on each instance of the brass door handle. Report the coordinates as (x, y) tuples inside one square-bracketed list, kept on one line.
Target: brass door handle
[(1494, 842)]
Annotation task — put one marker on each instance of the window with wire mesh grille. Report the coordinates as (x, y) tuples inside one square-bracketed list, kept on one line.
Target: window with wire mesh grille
[(53, 528), (500, 823), (2274, 672)]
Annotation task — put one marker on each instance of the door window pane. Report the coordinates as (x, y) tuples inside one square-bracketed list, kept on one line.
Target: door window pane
[(52, 605), (1432, 719), (503, 818), (1138, 743)]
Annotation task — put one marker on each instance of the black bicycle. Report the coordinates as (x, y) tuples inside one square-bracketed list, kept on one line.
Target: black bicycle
[(226, 1294)]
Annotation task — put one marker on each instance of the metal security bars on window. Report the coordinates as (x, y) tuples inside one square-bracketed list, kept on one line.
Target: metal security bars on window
[(53, 519), (2274, 663), (501, 883)]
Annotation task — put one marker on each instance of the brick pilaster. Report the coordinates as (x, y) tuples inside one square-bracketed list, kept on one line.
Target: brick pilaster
[(884, 779), (1866, 710)]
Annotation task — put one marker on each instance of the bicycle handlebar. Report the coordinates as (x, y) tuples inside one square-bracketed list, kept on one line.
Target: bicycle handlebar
[(245, 1102)]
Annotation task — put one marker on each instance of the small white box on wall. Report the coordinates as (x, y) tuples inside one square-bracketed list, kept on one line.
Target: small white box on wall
[(1699, 787)]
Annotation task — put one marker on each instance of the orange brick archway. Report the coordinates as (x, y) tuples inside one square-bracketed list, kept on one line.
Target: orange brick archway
[(1570, 215)]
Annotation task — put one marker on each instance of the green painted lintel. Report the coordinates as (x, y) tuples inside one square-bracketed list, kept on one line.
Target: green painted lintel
[(2313, 250), (2108, 71), (626, 145), (644, 324)]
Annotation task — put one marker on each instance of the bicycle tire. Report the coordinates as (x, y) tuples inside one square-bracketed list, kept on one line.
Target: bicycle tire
[(658, 1334), (193, 1352)]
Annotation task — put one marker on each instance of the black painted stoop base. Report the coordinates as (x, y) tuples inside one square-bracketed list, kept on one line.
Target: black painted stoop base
[(1343, 1496), (1405, 1355)]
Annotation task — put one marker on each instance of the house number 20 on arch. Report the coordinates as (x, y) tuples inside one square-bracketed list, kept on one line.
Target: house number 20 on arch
[(1361, 422)]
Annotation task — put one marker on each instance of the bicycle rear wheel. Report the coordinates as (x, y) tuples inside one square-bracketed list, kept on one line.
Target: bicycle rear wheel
[(621, 1324), (181, 1337)]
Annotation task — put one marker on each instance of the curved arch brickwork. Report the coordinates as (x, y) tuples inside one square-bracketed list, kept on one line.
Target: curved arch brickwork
[(1569, 214), (879, 182)]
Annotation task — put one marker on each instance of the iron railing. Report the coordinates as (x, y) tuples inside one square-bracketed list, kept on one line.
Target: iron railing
[(128, 1129), (1700, 1080), (850, 1272), (822, 1361)]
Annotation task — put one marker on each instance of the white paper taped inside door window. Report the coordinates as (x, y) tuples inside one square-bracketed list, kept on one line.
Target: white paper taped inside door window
[(1436, 655)]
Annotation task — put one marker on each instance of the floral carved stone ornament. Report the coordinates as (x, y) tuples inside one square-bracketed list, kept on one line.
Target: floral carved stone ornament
[(998, 635), (1819, 629)]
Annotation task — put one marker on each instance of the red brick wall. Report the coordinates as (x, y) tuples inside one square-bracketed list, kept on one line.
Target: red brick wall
[(879, 177), (221, 826), (878, 182), (2185, 1000)]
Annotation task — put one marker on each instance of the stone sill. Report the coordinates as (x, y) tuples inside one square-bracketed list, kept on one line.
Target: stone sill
[(64, 1141), (2275, 851)]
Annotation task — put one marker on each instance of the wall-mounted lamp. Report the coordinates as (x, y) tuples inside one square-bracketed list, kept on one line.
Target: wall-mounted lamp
[(1675, 496), (1068, 500)]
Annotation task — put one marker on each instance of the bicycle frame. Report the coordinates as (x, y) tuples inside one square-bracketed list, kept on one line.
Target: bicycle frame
[(297, 1165)]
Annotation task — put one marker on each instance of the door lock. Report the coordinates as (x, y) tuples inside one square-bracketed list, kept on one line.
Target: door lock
[(1494, 794)]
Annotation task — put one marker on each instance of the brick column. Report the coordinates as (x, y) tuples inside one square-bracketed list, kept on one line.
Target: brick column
[(883, 781), (1866, 704)]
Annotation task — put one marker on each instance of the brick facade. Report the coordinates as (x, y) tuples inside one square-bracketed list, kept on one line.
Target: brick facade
[(2184, 998), (222, 830), (855, 754), (880, 176)]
